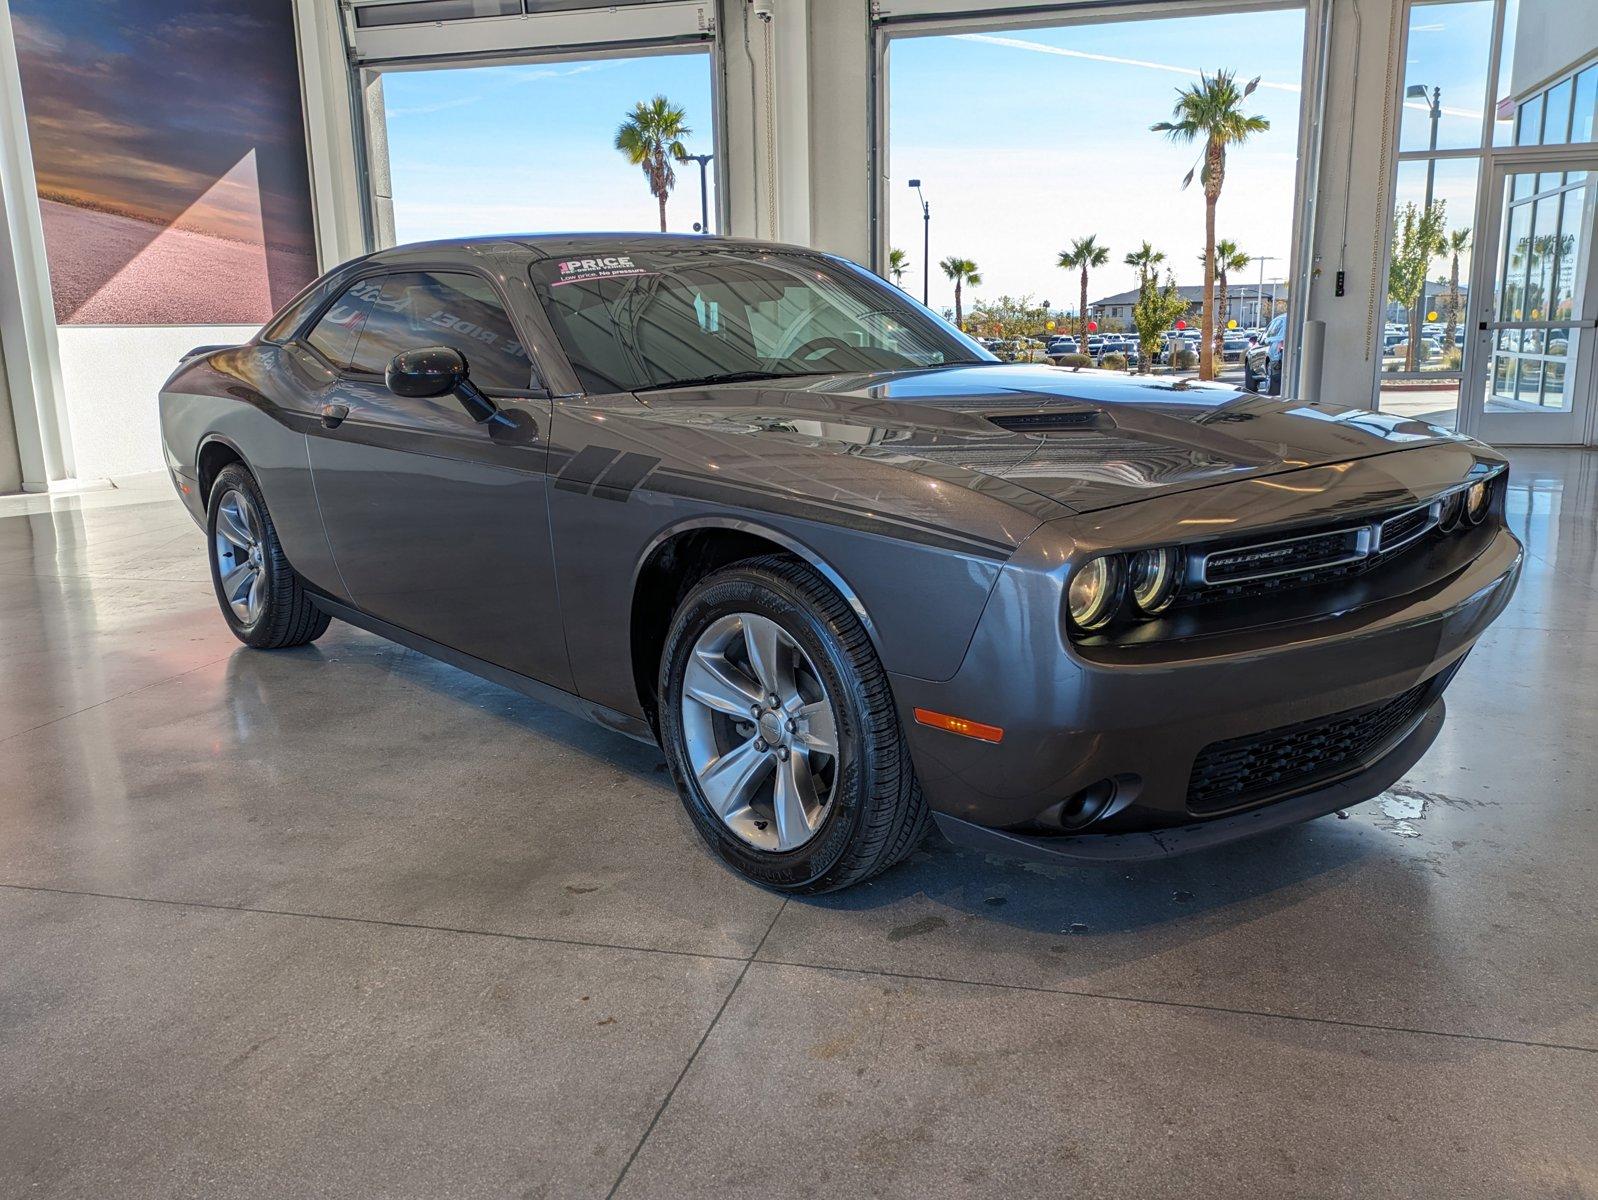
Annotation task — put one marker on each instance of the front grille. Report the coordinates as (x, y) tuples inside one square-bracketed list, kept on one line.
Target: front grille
[(1404, 528), (1262, 765), (1287, 557)]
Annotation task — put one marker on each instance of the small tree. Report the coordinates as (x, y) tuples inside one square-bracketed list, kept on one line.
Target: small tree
[(1228, 258), (1010, 318), (1458, 243), (898, 262), (1417, 239), (961, 271), (1146, 261), (1156, 310)]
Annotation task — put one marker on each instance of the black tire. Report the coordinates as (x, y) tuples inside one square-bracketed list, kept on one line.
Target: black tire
[(287, 616), (877, 814), (1249, 382)]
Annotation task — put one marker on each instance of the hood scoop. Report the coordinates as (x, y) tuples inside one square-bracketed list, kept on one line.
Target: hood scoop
[(1062, 420)]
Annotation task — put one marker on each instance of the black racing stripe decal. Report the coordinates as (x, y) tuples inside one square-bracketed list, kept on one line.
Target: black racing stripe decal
[(623, 475), (581, 471), (718, 491)]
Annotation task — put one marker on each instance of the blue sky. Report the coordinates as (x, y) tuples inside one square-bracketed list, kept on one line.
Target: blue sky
[(1027, 139), (1024, 139), (529, 148)]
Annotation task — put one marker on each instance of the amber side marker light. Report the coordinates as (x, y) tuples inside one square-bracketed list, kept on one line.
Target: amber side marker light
[(970, 729)]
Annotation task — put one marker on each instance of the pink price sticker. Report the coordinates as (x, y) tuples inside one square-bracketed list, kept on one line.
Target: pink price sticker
[(582, 270)]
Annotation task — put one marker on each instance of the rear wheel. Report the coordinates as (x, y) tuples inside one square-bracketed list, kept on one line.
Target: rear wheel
[(780, 732), (1250, 383), (261, 597)]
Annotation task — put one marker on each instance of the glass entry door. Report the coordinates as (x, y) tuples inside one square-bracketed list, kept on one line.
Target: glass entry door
[(1531, 372)]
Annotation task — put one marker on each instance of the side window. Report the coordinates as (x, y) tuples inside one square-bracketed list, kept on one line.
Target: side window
[(280, 327), (436, 308), (335, 332)]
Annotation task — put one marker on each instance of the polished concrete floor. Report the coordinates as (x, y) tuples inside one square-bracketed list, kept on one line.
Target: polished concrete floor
[(345, 922)]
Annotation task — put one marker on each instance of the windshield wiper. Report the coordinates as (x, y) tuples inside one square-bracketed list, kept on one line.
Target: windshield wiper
[(724, 377)]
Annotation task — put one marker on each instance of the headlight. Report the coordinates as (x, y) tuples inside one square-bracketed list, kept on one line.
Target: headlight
[(1476, 499), (1152, 577), (1094, 592), (1453, 511)]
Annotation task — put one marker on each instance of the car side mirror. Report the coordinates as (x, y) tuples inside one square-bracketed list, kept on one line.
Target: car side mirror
[(431, 371)]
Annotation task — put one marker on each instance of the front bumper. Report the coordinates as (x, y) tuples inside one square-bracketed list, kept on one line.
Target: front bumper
[(1073, 718), (1168, 842)]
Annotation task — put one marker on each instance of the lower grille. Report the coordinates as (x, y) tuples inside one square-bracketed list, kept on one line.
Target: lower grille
[(1235, 772)]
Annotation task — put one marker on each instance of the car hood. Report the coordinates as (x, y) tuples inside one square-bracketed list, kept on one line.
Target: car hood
[(1084, 439)]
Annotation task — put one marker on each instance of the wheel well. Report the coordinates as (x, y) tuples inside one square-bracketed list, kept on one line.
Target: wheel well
[(674, 566), (213, 457)]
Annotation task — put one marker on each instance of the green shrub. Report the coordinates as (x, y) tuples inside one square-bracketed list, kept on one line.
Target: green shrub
[(1113, 362), (1076, 360), (1185, 360)]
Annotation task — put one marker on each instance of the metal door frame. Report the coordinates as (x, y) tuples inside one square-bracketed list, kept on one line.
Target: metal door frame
[(1482, 323)]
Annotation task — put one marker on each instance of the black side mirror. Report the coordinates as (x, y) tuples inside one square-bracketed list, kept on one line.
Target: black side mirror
[(436, 371)]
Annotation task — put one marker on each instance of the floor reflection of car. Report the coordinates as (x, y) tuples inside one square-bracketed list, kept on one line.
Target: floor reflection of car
[(852, 574), (1262, 362)]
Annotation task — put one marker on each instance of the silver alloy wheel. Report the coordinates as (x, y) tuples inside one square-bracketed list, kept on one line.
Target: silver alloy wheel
[(241, 556), (761, 734)]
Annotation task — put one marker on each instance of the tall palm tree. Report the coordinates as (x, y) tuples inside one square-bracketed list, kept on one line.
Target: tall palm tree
[(1145, 260), (652, 138), (1084, 253), (898, 262), (1229, 258), (961, 271), (1458, 243), (1212, 111)]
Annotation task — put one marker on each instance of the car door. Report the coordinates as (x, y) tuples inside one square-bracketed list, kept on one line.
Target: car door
[(438, 523)]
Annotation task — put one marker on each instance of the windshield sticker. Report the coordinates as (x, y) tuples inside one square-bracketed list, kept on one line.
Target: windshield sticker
[(611, 266)]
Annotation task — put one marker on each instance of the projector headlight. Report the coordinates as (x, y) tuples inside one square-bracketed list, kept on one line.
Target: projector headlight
[(1152, 576), (1476, 500), (1453, 512), (1094, 592)]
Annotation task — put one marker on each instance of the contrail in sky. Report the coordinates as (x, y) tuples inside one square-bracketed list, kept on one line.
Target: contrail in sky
[(1013, 43)]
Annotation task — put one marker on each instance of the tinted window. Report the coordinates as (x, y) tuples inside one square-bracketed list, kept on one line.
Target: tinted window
[(664, 317), (282, 326), (335, 333), (426, 308)]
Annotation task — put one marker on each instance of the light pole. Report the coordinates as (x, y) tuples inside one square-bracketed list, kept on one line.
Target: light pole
[(1434, 102), (926, 242), (704, 191), (1259, 292)]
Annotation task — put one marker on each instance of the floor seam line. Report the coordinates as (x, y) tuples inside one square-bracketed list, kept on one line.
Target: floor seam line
[(212, 906), (1180, 1004), (112, 699), (692, 1058)]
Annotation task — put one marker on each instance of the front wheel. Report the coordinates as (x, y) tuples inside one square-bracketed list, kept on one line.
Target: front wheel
[(262, 599), (1249, 381), (780, 732)]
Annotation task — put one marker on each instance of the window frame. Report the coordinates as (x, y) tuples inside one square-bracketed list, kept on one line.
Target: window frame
[(538, 385)]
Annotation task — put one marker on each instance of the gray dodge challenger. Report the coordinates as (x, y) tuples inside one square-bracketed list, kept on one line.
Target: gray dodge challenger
[(854, 575)]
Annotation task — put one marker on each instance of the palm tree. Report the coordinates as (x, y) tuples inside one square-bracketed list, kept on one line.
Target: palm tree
[(1212, 110), (652, 138), (898, 261), (1228, 258), (1458, 243), (1084, 253), (1146, 261), (961, 270)]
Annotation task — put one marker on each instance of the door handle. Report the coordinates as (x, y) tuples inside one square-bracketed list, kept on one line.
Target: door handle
[(333, 415)]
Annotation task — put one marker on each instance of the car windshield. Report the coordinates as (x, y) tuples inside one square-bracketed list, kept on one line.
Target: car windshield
[(669, 318)]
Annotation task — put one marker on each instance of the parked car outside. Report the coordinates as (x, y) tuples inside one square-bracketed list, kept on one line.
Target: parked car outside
[(852, 574), (1262, 362)]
